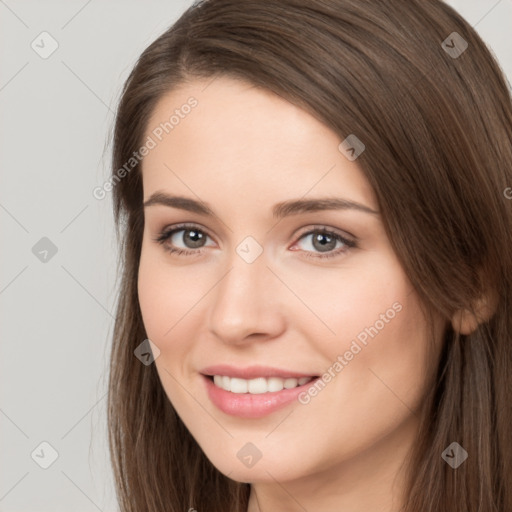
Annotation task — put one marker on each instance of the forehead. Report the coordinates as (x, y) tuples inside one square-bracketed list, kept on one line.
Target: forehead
[(247, 140)]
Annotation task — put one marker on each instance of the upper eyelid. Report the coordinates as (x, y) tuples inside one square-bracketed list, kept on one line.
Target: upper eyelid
[(184, 227), (321, 227)]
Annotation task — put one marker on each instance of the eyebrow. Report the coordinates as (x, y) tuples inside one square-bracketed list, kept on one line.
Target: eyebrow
[(280, 210)]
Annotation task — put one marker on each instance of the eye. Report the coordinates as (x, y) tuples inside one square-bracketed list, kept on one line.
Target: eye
[(325, 241), (322, 243), (193, 238)]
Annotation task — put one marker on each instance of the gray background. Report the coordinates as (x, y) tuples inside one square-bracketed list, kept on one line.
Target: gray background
[(57, 315)]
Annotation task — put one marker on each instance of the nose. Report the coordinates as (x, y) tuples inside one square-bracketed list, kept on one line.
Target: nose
[(246, 303)]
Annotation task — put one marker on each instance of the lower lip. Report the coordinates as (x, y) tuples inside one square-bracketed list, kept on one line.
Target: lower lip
[(247, 405)]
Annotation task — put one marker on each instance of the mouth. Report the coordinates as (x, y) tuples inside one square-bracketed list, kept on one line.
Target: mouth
[(256, 397), (258, 385)]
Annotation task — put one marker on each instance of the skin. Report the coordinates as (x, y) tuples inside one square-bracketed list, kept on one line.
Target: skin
[(242, 150)]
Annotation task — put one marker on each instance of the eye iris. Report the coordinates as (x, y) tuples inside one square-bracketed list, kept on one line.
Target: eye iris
[(324, 247), (197, 238)]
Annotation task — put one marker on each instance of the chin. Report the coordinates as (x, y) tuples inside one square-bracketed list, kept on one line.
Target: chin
[(264, 470)]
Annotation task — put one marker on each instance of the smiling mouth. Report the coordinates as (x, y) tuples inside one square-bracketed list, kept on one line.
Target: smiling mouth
[(258, 385)]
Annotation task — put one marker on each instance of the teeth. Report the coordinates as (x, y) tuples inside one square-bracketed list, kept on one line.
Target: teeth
[(258, 385)]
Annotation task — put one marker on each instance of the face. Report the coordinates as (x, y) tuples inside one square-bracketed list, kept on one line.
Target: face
[(304, 313)]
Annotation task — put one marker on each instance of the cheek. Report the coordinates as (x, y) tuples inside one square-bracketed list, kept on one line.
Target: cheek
[(152, 297), (378, 336), (165, 294), (384, 359), (354, 301), (166, 315)]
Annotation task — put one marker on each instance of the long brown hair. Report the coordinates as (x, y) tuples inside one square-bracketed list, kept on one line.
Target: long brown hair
[(434, 112)]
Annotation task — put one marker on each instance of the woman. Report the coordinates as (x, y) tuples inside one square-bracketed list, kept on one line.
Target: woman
[(314, 311)]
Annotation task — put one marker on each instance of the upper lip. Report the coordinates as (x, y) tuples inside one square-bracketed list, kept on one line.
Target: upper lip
[(252, 372)]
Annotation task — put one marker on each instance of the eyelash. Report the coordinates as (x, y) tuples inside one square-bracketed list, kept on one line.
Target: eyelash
[(167, 233)]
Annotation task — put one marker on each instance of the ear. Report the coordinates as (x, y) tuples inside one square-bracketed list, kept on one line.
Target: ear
[(465, 321)]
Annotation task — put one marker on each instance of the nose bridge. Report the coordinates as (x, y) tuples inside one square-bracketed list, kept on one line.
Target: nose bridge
[(245, 299)]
